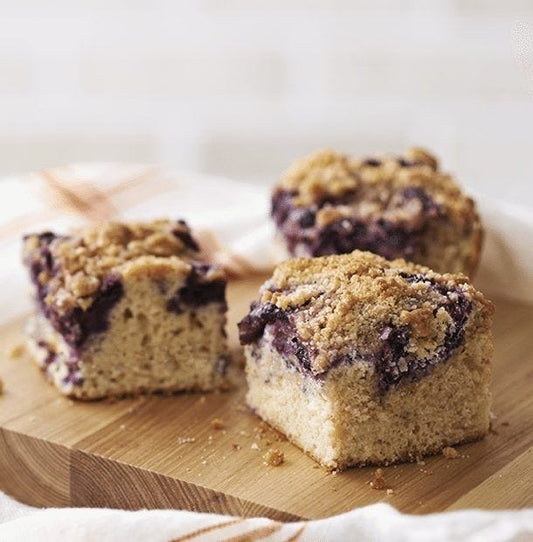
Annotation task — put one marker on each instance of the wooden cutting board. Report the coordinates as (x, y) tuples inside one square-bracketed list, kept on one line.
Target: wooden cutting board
[(161, 452)]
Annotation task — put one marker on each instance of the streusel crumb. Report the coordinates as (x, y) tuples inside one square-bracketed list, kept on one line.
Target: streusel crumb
[(217, 424), (16, 351), (379, 481), (323, 173), (273, 457), (450, 453)]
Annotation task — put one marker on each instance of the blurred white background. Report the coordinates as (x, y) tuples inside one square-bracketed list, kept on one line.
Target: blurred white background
[(241, 88)]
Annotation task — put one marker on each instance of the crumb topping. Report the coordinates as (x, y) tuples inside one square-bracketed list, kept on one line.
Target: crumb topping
[(391, 311), (341, 185), (72, 269), (323, 173)]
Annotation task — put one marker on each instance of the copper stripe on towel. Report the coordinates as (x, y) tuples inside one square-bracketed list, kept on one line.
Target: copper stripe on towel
[(297, 534), (84, 198), (234, 264), (209, 529), (129, 196), (23, 223), (256, 534), (97, 204)]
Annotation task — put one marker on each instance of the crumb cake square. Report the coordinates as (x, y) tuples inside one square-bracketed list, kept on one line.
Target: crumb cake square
[(360, 360), (126, 308), (397, 207)]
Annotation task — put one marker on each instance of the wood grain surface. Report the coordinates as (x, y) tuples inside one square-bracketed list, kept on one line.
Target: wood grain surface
[(133, 453)]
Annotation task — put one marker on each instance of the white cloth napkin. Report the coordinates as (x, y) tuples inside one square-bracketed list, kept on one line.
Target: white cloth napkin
[(232, 222), (370, 523)]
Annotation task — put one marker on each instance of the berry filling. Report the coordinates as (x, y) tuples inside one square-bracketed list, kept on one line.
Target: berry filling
[(198, 291), (392, 361), (75, 325), (389, 237)]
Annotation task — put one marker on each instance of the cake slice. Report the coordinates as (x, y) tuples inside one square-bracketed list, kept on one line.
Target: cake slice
[(360, 360), (126, 308), (397, 207)]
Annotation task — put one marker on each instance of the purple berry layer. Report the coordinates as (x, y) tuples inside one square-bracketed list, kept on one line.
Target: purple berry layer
[(390, 239), (198, 291), (75, 325), (392, 361)]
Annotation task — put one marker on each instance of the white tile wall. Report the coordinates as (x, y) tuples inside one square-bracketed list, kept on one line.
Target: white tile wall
[(17, 74), (241, 87)]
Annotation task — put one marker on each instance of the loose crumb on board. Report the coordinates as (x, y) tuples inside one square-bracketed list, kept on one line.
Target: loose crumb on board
[(390, 492), (379, 480), (186, 440), (450, 453), (217, 424), (16, 351), (236, 446), (273, 457), (254, 446)]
